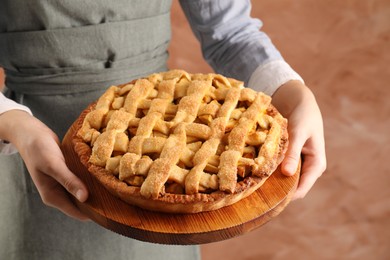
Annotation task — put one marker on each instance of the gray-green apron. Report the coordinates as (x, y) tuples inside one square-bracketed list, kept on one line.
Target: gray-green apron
[(58, 57)]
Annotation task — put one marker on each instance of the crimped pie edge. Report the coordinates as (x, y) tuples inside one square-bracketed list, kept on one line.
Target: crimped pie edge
[(172, 203)]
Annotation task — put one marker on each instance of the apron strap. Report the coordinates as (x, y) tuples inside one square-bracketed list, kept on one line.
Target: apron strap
[(81, 81), (61, 61)]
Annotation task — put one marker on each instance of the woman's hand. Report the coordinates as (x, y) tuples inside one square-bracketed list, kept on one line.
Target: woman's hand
[(39, 148), (306, 135)]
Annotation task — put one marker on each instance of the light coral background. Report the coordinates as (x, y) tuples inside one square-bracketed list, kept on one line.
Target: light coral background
[(342, 50)]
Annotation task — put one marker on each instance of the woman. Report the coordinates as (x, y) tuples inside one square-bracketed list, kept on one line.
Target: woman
[(59, 56)]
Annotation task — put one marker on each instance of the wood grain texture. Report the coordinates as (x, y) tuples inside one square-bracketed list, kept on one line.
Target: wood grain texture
[(182, 229)]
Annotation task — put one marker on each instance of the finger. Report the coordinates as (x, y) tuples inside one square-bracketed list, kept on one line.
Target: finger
[(293, 154), (60, 172), (57, 197), (312, 169), (68, 208)]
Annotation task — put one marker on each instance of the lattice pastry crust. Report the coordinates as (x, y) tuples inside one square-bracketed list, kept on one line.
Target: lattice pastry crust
[(180, 142)]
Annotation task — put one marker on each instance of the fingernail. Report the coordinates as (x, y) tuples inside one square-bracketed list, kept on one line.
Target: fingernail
[(79, 194), (290, 167)]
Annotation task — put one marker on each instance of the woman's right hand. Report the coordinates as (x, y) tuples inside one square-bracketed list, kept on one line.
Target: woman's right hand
[(39, 147)]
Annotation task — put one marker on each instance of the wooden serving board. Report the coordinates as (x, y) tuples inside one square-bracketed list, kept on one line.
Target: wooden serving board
[(181, 229)]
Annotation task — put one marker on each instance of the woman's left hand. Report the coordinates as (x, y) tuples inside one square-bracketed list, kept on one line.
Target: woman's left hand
[(297, 103)]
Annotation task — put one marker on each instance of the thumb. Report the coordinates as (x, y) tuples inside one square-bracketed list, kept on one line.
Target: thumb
[(293, 154), (70, 182)]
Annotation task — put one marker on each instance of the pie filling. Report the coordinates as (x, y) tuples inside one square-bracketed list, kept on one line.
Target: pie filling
[(182, 134)]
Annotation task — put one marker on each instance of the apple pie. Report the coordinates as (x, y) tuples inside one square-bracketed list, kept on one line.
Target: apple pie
[(181, 143)]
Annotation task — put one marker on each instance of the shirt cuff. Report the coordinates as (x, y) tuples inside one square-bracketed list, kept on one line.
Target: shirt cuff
[(6, 105), (268, 77)]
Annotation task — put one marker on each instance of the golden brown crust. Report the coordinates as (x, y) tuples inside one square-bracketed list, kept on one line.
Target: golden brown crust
[(237, 176)]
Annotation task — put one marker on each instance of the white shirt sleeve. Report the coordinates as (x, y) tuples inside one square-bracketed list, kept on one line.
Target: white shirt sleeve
[(270, 76), (6, 105)]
